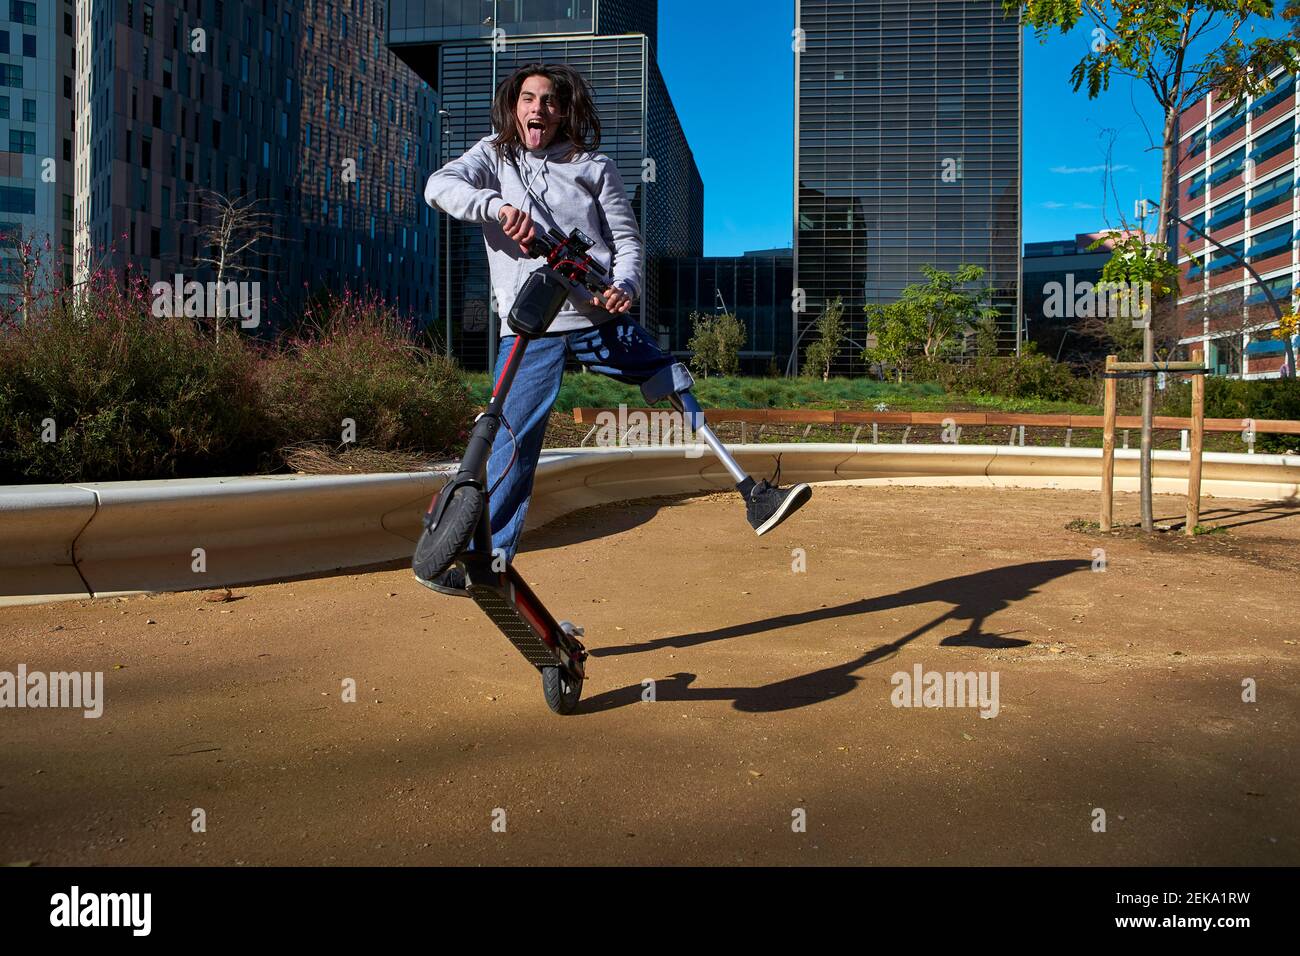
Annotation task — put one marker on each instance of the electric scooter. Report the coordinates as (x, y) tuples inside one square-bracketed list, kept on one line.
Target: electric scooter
[(459, 514)]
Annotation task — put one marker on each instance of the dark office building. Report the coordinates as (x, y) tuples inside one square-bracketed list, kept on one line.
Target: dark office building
[(1054, 274), (907, 152), (465, 49), (754, 287), (298, 105)]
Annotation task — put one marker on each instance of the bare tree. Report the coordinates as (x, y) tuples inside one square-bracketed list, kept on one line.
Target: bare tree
[(229, 231), (33, 269)]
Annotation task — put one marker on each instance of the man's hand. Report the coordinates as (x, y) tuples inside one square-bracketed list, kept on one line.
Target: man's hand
[(518, 226), (616, 301)]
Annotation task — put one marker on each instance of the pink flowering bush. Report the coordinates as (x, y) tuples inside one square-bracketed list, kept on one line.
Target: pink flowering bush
[(94, 387), (353, 358)]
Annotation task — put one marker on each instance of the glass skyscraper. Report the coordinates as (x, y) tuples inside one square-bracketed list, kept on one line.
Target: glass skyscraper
[(907, 152), (450, 44)]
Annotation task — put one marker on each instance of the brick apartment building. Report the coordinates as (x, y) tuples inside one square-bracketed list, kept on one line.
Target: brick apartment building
[(1236, 181)]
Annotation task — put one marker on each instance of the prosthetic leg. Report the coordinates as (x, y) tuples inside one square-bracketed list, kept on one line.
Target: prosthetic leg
[(766, 504)]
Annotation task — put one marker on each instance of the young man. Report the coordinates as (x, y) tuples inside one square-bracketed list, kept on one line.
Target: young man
[(541, 171)]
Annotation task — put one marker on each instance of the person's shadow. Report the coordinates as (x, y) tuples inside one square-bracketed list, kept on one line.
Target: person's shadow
[(974, 597)]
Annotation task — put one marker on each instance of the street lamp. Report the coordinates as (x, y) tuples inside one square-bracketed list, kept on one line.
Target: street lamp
[(444, 157), (1146, 204)]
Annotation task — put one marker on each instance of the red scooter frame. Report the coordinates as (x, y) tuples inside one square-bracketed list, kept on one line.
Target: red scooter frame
[(460, 515)]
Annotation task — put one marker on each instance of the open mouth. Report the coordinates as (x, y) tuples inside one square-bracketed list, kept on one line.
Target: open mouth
[(535, 129)]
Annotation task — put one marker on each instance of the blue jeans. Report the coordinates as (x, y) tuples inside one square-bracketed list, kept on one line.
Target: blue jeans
[(619, 348)]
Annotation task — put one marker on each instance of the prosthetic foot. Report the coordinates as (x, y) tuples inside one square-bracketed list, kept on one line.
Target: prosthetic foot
[(766, 503)]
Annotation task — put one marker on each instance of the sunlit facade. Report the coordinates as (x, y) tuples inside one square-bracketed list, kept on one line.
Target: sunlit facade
[(907, 152)]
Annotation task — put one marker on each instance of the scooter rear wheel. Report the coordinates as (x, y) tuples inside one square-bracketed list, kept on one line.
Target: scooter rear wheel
[(560, 690), (438, 547)]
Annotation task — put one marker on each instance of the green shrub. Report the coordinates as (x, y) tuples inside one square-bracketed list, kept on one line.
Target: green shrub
[(354, 359), (715, 344), (1025, 376), (129, 396), (1265, 398)]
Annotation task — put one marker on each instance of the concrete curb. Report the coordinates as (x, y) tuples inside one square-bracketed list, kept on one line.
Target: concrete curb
[(66, 542)]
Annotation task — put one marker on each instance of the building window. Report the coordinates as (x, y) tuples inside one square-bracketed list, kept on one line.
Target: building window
[(29, 44), (1279, 139), (1272, 193), (1228, 213), (29, 111), (1285, 89), (1270, 242), (18, 200), (22, 11), (1226, 168), (1281, 288), (22, 141), (1225, 259), (1225, 355)]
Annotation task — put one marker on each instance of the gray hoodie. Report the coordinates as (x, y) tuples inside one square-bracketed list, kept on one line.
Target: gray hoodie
[(585, 191)]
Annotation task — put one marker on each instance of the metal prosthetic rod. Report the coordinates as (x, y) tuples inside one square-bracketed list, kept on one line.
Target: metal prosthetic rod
[(685, 403)]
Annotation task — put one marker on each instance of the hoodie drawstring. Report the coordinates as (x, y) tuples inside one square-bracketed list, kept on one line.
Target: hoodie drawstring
[(538, 176)]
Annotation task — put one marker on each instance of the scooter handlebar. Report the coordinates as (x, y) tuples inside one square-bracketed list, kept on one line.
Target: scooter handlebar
[(578, 267)]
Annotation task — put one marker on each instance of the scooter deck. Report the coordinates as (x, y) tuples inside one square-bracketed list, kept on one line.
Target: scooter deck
[(511, 605)]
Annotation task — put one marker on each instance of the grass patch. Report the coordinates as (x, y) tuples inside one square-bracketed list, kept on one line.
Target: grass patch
[(589, 390)]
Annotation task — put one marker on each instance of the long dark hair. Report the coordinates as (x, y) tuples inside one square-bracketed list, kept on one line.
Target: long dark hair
[(580, 126)]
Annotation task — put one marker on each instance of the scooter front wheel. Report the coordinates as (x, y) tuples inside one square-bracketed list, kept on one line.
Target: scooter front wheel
[(560, 690), (439, 546)]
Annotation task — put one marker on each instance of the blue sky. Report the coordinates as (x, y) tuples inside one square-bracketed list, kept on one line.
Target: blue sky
[(728, 61)]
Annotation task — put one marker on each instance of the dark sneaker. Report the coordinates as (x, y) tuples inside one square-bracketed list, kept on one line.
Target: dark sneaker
[(451, 581), (767, 505)]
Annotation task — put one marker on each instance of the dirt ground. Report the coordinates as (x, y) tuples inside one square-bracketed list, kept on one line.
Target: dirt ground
[(1120, 690)]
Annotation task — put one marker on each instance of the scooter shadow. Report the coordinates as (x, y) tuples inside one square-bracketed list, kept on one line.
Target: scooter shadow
[(974, 598)]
